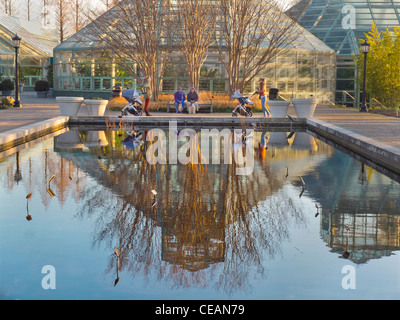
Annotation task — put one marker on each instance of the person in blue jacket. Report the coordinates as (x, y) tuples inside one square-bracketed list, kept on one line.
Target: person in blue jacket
[(180, 99)]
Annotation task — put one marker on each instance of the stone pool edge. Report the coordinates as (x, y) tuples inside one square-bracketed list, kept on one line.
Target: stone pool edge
[(375, 151), (380, 153), (15, 137)]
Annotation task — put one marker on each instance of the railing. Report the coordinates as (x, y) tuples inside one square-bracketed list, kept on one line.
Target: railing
[(345, 94), (375, 102), (101, 84), (28, 81)]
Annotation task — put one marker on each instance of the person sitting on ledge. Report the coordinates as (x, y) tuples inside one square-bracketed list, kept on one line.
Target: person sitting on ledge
[(192, 99), (180, 99)]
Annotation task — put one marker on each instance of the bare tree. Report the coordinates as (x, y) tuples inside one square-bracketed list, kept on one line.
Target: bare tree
[(134, 32), (28, 7), (82, 11), (62, 10), (109, 3), (194, 33), (44, 11), (252, 33), (10, 7)]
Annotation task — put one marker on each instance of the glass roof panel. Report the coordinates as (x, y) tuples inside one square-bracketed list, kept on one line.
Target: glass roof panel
[(37, 46), (324, 20), (84, 39)]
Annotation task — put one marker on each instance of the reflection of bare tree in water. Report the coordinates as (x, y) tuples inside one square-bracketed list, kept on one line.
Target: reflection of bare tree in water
[(204, 214)]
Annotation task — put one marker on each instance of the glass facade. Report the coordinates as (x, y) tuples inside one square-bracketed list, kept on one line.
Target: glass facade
[(341, 24), (305, 67), (35, 53)]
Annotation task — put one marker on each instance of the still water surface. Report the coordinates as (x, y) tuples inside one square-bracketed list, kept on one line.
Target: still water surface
[(208, 233)]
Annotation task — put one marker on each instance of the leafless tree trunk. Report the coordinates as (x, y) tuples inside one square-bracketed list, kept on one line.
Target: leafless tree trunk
[(44, 11), (253, 32), (10, 7), (28, 9), (135, 32), (194, 24), (82, 10), (62, 17), (108, 4)]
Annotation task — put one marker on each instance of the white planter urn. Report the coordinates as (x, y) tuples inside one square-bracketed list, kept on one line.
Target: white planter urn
[(96, 107), (96, 139), (69, 140), (304, 141), (69, 106), (305, 108), (278, 140), (279, 109)]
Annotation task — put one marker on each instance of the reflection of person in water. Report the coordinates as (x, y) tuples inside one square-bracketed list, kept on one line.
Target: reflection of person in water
[(262, 146)]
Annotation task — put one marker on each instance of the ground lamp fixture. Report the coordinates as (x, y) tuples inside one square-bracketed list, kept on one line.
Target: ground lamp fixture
[(16, 41), (365, 49)]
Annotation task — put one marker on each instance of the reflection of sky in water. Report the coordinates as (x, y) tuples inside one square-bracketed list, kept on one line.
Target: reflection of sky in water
[(211, 234)]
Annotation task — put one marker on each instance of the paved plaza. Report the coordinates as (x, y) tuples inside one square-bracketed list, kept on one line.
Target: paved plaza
[(383, 129)]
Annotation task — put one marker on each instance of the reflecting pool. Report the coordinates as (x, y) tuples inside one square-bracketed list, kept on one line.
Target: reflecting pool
[(309, 222)]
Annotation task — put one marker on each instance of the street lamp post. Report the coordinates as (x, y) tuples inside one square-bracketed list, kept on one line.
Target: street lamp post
[(365, 50), (16, 43)]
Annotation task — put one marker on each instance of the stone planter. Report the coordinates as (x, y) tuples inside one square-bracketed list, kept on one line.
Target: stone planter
[(278, 140), (69, 106), (305, 108), (41, 94), (96, 139), (304, 141), (6, 93), (96, 107), (69, 140), (279, 109)]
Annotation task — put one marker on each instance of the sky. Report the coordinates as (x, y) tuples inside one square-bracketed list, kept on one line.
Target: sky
[(36, 7)]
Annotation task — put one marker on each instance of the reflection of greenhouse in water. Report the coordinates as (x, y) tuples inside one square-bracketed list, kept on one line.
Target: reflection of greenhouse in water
[(371, 236), (195, 203), (363, 217)]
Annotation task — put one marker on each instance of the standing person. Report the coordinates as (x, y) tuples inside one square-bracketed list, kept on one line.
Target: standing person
[(180, 99), (192, 99), (146, 90), (262, 92)]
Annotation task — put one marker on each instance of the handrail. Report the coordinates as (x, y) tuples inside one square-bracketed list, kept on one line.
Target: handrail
[(382, 105), (345, 92)]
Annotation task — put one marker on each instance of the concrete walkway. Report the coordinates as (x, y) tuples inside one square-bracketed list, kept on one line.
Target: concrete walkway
[(383, 129), (33, 110)]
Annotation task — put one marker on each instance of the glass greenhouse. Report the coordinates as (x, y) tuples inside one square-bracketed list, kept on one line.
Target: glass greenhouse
[(325, 19), (35, 52), (306, 68)]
